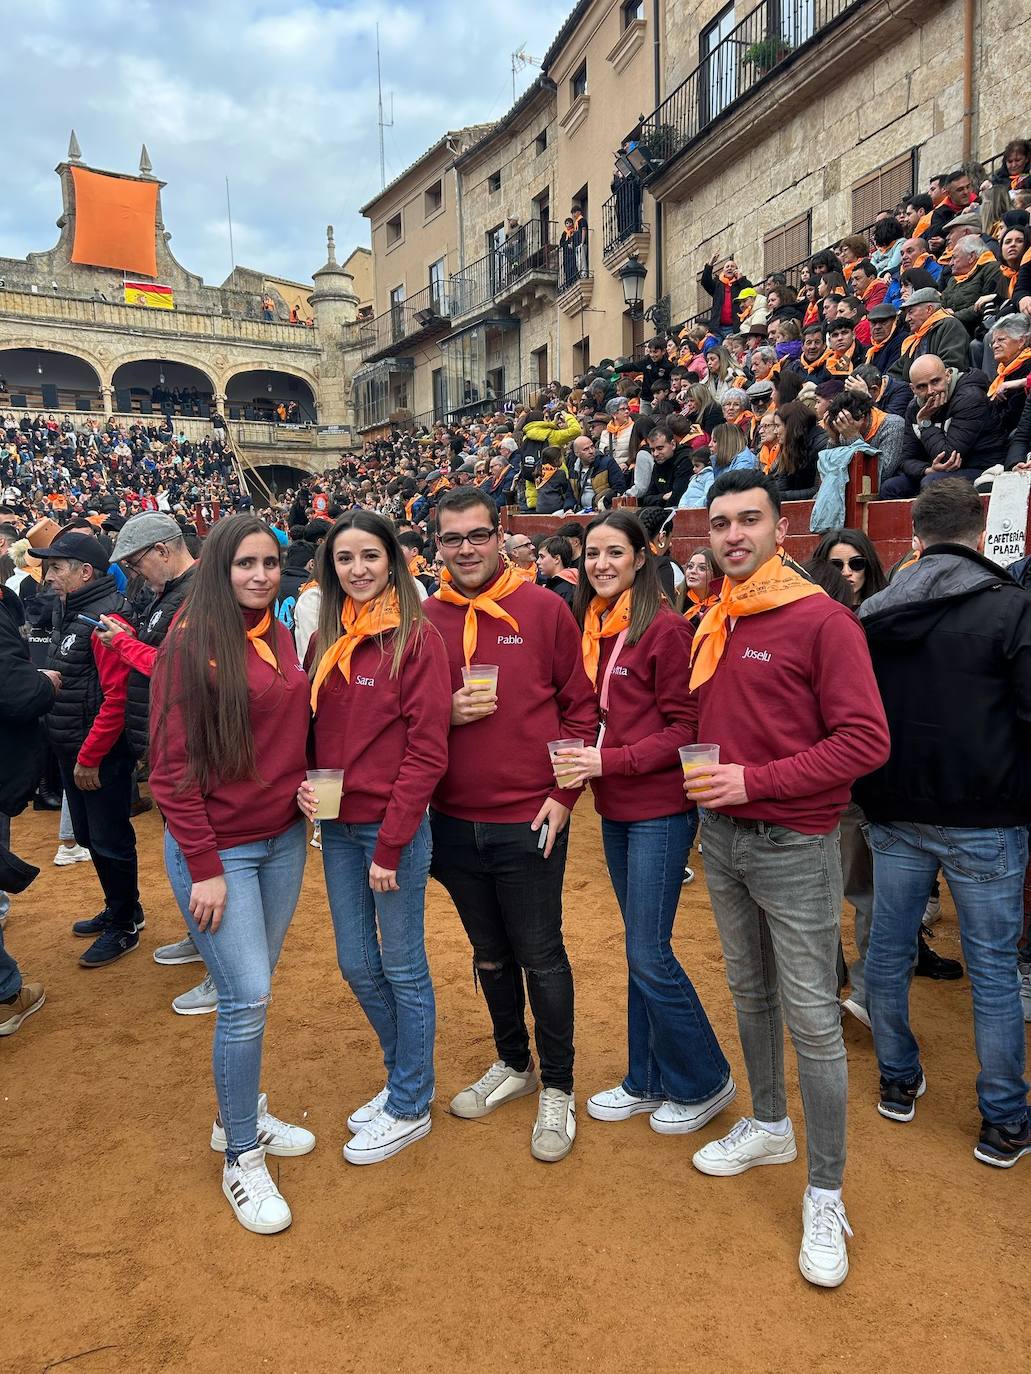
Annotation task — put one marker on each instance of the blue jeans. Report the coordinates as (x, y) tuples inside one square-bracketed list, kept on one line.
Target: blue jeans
[(673, 1050), (389, 975), (985, 872), (263, 881)]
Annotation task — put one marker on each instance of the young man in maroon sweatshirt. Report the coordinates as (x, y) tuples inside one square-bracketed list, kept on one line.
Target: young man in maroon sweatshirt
[(499, 821), (782, 682)]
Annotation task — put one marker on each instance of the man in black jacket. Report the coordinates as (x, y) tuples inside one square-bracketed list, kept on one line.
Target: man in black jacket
[(87, 734), (951, 429), (28, 693), (672, 470), (657, 368), (950, 640)]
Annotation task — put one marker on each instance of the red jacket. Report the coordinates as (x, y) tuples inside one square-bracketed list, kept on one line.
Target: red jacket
[(498, 768), (648, 720), (389, 735), (243, 810), (794, 699)]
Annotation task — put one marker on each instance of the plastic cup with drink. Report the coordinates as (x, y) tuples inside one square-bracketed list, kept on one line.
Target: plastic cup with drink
[(696, 761), (564, 776), (329, 786), (481, 678)]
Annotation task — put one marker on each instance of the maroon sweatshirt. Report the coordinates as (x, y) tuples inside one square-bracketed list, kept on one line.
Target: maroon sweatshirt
[(389, 735), (498, 768), (794, 699), (648, 720), (244, 810)]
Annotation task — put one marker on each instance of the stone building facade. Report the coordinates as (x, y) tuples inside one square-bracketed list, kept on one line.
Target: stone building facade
[(69, 341)]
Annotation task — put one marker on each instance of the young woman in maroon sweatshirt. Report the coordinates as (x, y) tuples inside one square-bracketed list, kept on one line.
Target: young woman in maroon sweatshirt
[(229, 730), (637, 652), (381, 693)]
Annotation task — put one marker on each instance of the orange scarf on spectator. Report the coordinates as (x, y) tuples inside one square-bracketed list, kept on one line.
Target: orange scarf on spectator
[(613, 428), (441, 484), (922, 226), (935, 317), (875, 348), (815, 366), (510, 581), (847, 268), (840, 364), (877, 418), (728, 282), (1011, 273), (776, 583), (986, 256), (596, 629), (547, 473), (699, 603), (1007, 370), (261, 648), (768, 455), (812, 314), (359, 622)]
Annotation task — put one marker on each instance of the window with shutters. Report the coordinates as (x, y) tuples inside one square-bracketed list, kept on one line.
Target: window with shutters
[(788, 245), (883, 189)]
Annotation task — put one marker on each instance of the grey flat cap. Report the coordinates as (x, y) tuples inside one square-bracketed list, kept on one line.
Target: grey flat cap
[(925, 296), (142, 531)]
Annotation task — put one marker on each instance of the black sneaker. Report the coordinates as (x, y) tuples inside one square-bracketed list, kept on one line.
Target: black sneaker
[(96, 925), (932, 965), (109, 946), (898, 1100), (1001, 1147)]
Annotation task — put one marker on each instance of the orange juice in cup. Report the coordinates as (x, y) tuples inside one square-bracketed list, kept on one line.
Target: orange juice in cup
[(563, 776), (696, 761)]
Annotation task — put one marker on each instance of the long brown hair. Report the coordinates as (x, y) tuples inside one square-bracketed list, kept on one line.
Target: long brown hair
[(646, 593), (331, 603), (215, 704)]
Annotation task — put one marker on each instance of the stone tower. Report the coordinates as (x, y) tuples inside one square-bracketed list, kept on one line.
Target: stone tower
[(335, 306)]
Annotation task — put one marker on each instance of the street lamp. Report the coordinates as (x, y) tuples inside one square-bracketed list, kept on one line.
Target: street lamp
[(632, 275)]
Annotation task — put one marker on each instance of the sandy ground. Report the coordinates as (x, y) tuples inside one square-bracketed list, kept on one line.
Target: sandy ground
[(463, 1253)]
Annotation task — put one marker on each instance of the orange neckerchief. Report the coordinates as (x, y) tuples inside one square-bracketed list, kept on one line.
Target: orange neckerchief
[(847, 268), (775, 584), (261, 648), (1007, 370), (374, 618), (877, 418), (744, 309), (613, 428), (922, 225), (819, 362), (441, 484), (936, 317), (547, 473), (1010, 273), (526, 574), (728, 281), (510, 581), (699, 603), (596, 629), (569, 575), (986, 256), (410, 506), (840, 364), (875, 348), (812, 314), (768, 455)]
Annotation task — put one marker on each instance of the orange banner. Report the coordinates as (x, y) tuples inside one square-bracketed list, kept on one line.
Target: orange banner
[(115, 222)]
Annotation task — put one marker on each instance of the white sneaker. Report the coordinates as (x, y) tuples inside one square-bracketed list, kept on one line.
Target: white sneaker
[(197, 1001), (500, 1084), (182, 952), (253, 1195), (932, 912), (678, 1118), (1025, 990), (385, 1136), (823, 1257), (555, 1128), (274, 1136), (361, 1116), (747, 1145), (857, 1010), (72, 854), (616, 1104)]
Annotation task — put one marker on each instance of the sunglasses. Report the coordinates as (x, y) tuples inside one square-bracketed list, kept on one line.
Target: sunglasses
[(857, 564)]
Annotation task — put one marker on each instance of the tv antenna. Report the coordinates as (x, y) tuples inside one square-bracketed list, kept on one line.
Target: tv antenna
[(384, 123), (520, 59)]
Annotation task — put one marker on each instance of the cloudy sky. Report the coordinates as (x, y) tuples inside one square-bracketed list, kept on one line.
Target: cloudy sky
[(278, 95)]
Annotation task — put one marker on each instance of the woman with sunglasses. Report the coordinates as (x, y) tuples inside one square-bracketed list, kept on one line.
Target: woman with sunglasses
[(637, 653), (854, 556), (381, 695), (228, 736)]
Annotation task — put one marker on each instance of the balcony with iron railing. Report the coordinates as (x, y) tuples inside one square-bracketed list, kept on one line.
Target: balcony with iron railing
[(525, 265), (408, 322), (622, 215), (766, 40)]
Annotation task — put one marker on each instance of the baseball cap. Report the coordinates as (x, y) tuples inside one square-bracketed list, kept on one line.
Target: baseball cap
[(143, 531), (84, 548)]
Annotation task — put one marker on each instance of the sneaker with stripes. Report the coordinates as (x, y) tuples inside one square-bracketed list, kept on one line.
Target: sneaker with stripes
[(275, 1136), (259, 1205)]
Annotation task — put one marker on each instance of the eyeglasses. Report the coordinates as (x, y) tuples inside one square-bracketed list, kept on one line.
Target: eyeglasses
[(134, 562), (857, 564), (453, 542)]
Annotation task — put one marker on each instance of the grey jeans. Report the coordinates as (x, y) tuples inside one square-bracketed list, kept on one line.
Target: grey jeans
[(857, 871), (776, 896)]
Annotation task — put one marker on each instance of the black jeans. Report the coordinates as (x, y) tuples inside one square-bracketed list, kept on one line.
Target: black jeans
[(102, 824), (510, 900)]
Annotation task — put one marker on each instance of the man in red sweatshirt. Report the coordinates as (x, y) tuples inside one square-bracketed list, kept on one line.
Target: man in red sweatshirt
[(781, 680), (500, 833)]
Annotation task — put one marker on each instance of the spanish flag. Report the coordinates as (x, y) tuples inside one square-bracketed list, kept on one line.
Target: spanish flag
[(146, 293)]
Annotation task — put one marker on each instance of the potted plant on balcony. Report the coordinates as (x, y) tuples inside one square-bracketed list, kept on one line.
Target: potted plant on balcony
[(659, 142), (765, 54)]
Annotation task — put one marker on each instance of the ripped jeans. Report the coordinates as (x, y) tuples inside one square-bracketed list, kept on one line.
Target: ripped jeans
[(509, 898), (263, 881)]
